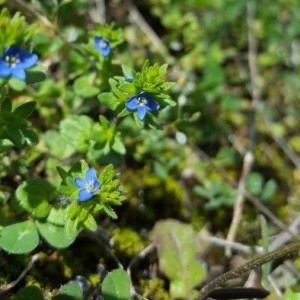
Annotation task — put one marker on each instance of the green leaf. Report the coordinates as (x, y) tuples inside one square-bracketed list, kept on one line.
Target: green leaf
[(76, 131), (291, 295), (72, 224), (85, 85), (109, 100), (69, 291), (57, 216), (19, 238), (90, 223), (269, 189), (17, 84), (177, 251), (116, 285), (55, 235), (57, 145), (28, 293), (34, 76), (25, 110), (109, 211), (34, 196), (255, 184)]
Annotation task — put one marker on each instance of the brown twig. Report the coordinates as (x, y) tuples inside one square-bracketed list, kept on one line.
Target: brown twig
[(140, 255), (255, 201), (136, 17), (248, 157), (283, 251), (11, 285)]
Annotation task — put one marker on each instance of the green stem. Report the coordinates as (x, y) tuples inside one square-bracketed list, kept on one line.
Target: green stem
[(281, 252)]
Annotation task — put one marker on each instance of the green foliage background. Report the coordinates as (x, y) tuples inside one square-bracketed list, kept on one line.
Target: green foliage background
[(183, 163)]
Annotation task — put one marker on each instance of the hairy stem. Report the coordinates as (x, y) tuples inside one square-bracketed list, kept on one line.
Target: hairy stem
[(281, 252)]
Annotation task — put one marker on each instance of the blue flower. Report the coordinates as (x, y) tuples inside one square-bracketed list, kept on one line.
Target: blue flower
[(102, 45), (14, 62), (142, 102), (88, 186)]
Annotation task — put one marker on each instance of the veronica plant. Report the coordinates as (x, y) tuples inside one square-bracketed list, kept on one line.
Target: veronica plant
[(88, 186), (80, 184), (102, 45), (14, 61), (141, 103), (142, 93)]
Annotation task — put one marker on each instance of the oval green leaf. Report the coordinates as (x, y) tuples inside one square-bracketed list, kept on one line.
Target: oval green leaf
[(19, 238), (116, 285)]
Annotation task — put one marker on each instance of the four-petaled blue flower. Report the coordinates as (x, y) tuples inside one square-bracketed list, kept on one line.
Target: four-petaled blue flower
[(14, 62), (142, 102), (102, 45), (88, 186)]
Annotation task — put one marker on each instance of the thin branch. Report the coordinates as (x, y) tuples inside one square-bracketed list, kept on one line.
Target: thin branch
[(220, 281), (249, 157), (11, 285), (140, 255), (136, 17), (258, 203), (234, 245)]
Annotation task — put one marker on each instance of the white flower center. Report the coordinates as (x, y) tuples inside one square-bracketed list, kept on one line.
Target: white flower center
[(12, 60), (103, 44), (89, 186), (142, 101)]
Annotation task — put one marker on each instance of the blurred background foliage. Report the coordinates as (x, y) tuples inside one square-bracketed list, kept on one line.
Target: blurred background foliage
[(189, 170)]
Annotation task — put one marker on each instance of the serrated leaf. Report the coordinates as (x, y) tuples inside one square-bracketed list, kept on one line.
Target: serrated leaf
[(109, 211), (19, 238), (90, 223), (177, 251), (116, 285)]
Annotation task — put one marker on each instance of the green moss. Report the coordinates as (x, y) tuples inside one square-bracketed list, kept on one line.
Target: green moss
[(127, 241), (154, 289)]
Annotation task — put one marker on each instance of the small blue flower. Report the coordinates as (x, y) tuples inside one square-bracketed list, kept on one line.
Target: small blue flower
[(102, 45), (88, 186), (142, 102), (14, 62)]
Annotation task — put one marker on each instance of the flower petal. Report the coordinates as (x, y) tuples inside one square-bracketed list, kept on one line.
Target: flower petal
[(79, 182), (84, 195), (141, 110), (91, 175), (152, 105), (102, 45), (12, 50), (19, 73), (96, 186), (132, 103), (28, 60), (4, 69)]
